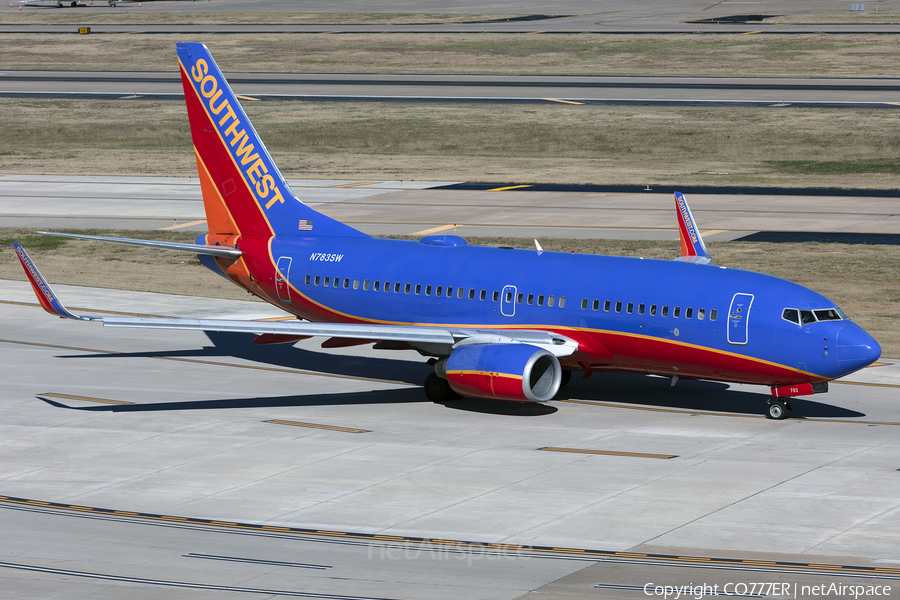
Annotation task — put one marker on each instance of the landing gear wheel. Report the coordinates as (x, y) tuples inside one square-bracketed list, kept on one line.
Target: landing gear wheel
[(566, 377), (778, 409), (437, 389)]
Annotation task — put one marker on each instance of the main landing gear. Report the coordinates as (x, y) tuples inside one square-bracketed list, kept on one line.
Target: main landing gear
[(778, 409), (437, 389)]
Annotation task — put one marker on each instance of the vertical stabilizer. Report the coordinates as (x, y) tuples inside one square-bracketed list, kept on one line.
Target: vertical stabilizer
[(243, 191), (692, 247)]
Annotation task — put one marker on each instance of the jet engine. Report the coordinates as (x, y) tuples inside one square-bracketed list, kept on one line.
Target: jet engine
[(517, 372)]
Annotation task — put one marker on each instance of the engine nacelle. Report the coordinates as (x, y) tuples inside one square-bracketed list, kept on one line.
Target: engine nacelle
[(518, 372)]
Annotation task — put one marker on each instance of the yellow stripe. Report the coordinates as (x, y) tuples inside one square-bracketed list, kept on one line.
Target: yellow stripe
[(563, 101), (750, 32), (888, 385), (180, 225), (434, 230), (489, 373), (713, 232), (85, 398), (317, 426), (608, 452), (346, 185), (512, 187), (245, 97)]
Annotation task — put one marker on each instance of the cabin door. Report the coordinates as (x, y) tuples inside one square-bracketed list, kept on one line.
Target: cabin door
[(739, 319), (282, 273), (508, 301)]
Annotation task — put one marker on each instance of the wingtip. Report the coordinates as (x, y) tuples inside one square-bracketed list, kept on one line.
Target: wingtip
[(42, 290)]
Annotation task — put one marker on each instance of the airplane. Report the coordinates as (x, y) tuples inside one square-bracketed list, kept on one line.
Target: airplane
[(495, 323), (74, 3)]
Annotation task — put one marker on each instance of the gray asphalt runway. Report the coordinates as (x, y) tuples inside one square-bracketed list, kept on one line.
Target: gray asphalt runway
[(183, 465), (613, 16), (708, 91), (409, 208)]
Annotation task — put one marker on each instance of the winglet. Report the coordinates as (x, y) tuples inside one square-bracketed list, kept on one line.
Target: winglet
[(692, 247), (42, 290)]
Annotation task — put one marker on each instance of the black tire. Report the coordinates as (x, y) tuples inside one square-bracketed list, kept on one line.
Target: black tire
[(566, 377), (437, 389), (778, 410)]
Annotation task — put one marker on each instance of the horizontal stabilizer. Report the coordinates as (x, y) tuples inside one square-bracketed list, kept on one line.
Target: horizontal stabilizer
[(220, 251), (692, 247)]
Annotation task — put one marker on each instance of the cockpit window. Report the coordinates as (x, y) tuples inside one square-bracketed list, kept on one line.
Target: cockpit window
[(792, 315), (829, 314), (805, 317)]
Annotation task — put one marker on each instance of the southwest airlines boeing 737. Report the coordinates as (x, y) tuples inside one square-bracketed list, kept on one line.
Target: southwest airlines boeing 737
[(496, 323)]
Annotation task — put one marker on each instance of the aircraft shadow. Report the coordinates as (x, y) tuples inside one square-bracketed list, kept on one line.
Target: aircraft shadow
[(687, 394), (402, 396), (501, 407), (240, 345)]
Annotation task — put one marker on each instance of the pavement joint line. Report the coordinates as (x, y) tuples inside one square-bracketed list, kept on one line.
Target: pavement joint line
[(608, 452), (181, 584), (217, 363), (318, 426), (85, 398), (720, 414), (599, 555)]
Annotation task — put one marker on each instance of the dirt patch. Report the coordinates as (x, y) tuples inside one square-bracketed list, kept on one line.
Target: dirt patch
[(459, 142), (864, 280), (725, 55)]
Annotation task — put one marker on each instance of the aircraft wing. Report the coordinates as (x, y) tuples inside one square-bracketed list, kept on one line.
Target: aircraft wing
[(414, 334), (220, 251)]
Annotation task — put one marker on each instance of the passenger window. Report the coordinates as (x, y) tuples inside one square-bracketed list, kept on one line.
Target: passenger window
[(439, 291), (356, 284), (829, 314), (562, 301), (551, 300), (606, 306), (406, 288), (629, 308), (713, 314), (792, 315), (418, 289), (482, 295), (677, 312), (460, 292), (365, 284), (346, 282), (327, 281), (596, 305), (306, 280), (449, 292), (427, 290), (375, 286), (316, 281), (618, 307), (641, 308), (652, 310), (688, 312), (397, 287), (530, 299), (806, 316), (665, 310), (519, 298), (584, 304), (471, 293), (508, 297), (701, 314), (336, 282), (495, 296), (540, 299)]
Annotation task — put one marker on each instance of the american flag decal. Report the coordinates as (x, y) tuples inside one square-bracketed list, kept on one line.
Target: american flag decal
[(306, 224)]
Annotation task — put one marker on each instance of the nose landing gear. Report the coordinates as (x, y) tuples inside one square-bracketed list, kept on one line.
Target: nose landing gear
[(778, 409)]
